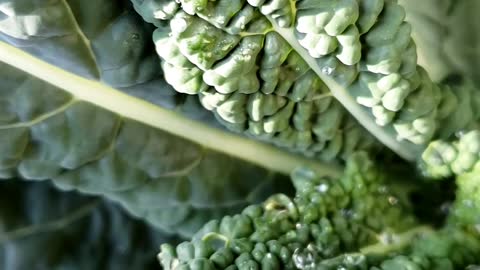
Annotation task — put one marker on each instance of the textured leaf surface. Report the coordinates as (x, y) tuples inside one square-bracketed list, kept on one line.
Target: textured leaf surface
[(103, 40), (362, 221), (159, 165), (42, 228), (49, 134), (282, 70), (467, 206)]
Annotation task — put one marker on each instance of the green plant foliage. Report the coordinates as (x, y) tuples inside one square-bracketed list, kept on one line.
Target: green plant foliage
[(43, 228), (443, 159), (46, 133), (354, 222), (188, 111), (81, 38), (281, 71), (467, 206)]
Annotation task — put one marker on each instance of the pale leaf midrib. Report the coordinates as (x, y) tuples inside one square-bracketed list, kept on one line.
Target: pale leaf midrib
[(404, 149), (259, 153)]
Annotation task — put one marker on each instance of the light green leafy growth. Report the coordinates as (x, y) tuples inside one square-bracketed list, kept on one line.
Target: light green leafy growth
[(355, 222), (466, 209), (42, 228), (446, 249), (443, 159), (281, 71)]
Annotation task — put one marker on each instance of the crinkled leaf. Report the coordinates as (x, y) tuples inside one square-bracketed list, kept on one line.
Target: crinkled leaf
[(297, 73), (49, 134), (42, 228), (102, 40), (155, 162)]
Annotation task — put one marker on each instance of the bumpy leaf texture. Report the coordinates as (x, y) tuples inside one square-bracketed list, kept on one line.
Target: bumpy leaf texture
[(46, 133), (81, 38), (356, 222), (104, 41), (447, 43), (284, 70), (467, 206), (43, 228)]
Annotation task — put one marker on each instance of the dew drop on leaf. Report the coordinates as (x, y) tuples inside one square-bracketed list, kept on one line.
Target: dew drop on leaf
[(392, 200), (328, 70), (305, 258), (322, 188)]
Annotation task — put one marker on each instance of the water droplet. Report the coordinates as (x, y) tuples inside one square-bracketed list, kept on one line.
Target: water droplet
[(221, 20), (322, 188), (134, 36), (305, 258), (392, 200), (328, 70)]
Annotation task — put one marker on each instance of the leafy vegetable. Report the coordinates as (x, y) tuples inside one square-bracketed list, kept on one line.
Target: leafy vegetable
[(42, 228), (60, 133), (467, 207), (442, 159), (355, 222), (151, 172), (308, 55), (112, 99), (64, 33)]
